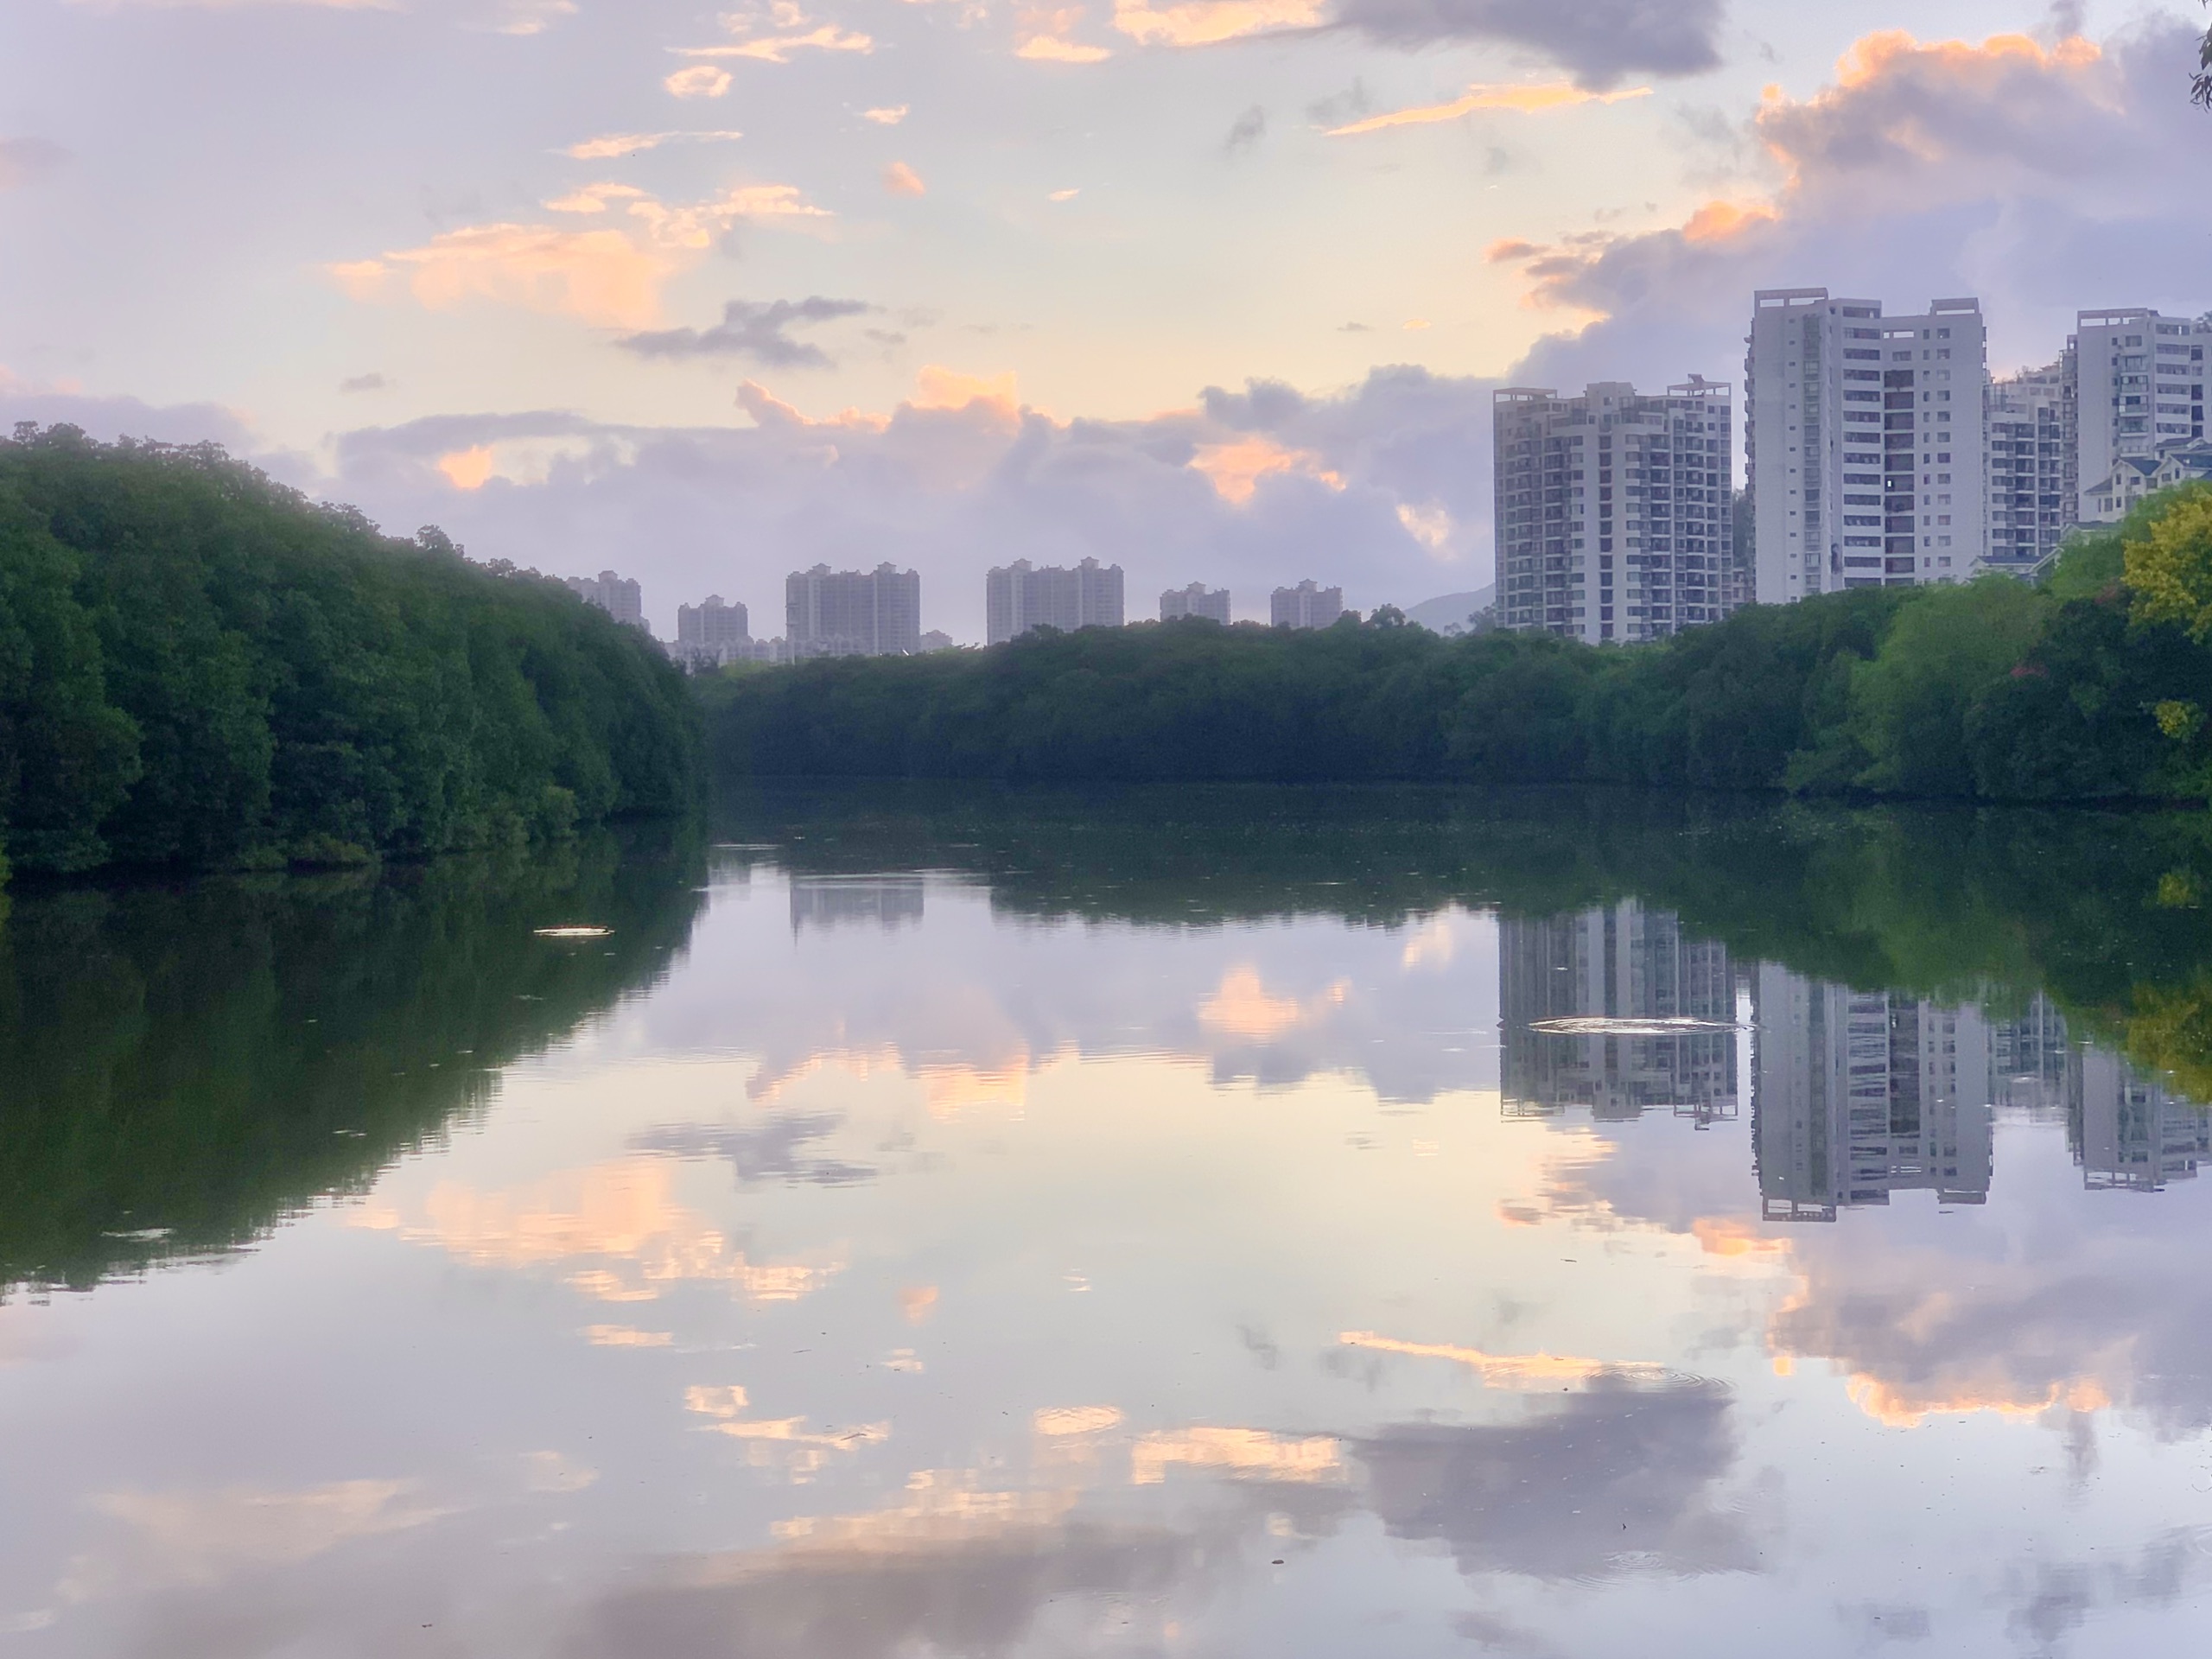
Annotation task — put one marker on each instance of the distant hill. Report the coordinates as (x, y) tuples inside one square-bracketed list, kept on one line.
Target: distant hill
[(1452, 611)]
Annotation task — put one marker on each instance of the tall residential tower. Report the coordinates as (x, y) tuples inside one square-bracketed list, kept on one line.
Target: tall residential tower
[(1865, 444), (1613, 509)]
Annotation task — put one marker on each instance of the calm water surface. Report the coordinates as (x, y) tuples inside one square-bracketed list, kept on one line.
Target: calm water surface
[(1155, 1225)]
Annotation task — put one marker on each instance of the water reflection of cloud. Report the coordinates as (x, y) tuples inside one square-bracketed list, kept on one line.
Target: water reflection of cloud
[(770, 1151), (951, 1569), (620, 1218), (1604, 1484), (194, 1538)]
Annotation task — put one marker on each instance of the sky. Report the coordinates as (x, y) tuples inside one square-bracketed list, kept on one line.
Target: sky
[(1216, 289)]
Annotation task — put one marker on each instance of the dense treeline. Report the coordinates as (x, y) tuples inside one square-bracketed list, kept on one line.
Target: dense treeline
[(2093, 687), (200, 668)]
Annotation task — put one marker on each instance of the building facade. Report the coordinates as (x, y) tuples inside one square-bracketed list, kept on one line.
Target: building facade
[(712, 632), (1863, 440), (2140, 386), (1614, 515), (619, 596), (1197, 600), (1020, 596), (2189, 461), (1306, 606), (852, 613), (2034, 488)]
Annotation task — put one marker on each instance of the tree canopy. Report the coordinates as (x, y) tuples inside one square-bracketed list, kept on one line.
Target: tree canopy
[(201, 668), (2092, 687)]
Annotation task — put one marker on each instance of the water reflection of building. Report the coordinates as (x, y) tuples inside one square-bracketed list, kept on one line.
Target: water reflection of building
[(2028, 1059), (885, 901), (1623, 963), (1863, 1094), (2126, 1131)]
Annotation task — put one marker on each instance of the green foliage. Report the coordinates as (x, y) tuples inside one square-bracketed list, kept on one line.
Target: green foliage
[(200, 668), (1994, 690), (2168, 563)]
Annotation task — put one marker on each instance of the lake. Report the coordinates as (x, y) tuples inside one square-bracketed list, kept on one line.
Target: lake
[(931, 1222)]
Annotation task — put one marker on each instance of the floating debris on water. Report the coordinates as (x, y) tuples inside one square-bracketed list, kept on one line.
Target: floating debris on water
[(579, 932)]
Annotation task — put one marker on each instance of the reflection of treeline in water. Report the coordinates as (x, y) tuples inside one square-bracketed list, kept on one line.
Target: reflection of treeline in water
[(2093, 688), (200, 668), (2105, 912), (180, 1069)]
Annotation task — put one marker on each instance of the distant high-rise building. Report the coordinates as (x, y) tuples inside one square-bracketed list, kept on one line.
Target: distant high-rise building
[(1305, 606), (1864, 437), (1197, 600), (619, 596), (1020, 596), (712, 632), (2139, 381), (1620, 965), (1614, 516), (1859, 1095), (852, 614), (2032, 491)]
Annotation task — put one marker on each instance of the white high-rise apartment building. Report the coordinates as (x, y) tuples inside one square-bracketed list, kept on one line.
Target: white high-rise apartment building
[(2032, 491), (1614, 513), (1864, 442), (2139, 380)]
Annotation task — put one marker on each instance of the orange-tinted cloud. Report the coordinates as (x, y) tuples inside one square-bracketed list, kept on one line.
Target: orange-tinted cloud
[(1510, 1370), (829, 37), (901, 180), (1240, 1451), (700, 81), (609, 277), (1203, 23), (1529, 100), (1045, 36), (1234, 469)]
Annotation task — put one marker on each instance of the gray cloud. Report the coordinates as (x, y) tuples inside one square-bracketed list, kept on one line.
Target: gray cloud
[(364, 382), (1246, 132), (2040, 182), (1610, 1481), (976, 1595), (757, 331), (22, 160), (770, 1152), (1599, 42)]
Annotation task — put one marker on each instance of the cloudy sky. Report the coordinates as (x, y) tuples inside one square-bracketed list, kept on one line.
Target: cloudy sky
[(1218, 289)]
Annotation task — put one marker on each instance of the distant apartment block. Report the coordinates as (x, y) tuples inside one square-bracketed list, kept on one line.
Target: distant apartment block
[(1020, 596), (2032, 490), (1197, 600), (2139, 388), (2129, 1133), (1614, 509), (712, 632), (1305, 606), (852, 613), (1866, 443), (619, 596)]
